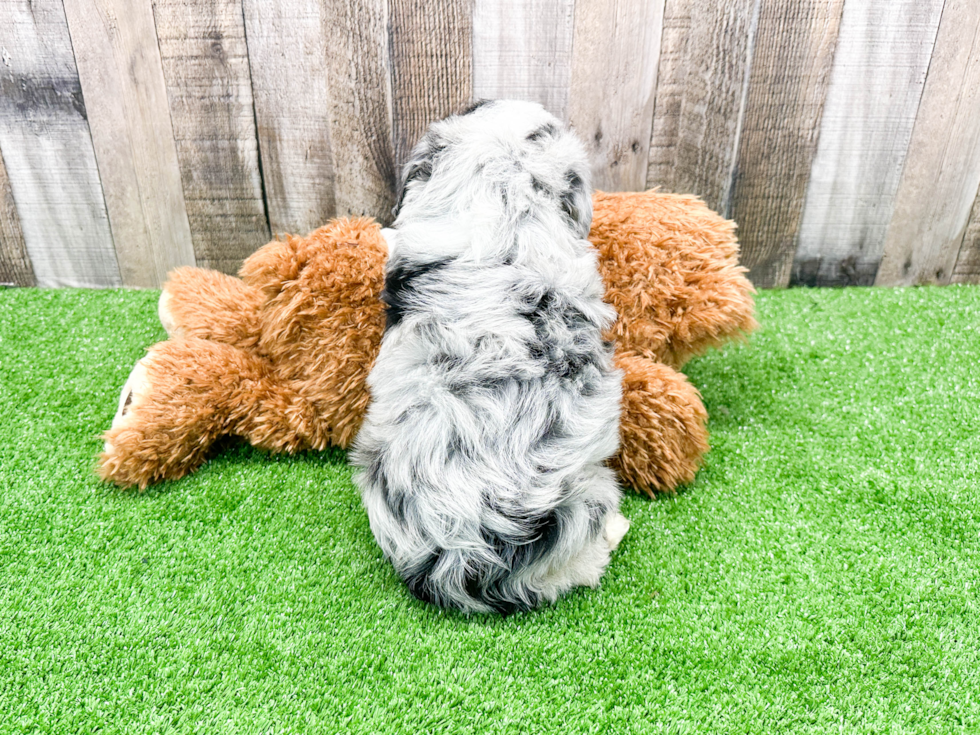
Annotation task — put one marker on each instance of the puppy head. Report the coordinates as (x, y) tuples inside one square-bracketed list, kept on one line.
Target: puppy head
[(505, 156)]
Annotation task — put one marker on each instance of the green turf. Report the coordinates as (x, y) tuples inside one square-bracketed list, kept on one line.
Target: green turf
[(820, 575)]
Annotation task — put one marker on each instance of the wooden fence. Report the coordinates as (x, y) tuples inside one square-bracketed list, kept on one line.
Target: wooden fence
[(139, 135)]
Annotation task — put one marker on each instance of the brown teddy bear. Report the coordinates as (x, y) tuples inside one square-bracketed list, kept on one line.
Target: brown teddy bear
[(280, 356)]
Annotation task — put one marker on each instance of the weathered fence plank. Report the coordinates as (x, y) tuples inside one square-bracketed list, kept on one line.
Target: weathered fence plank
[(523, 51), (614, 78), (968, 262), (205, 64), (879, 69), (126, 99), (45, 142), (431, 66), (942, 171), (288, 55), (15, 264), (793, 52), (672, 70), (359, 81), (700, 91)]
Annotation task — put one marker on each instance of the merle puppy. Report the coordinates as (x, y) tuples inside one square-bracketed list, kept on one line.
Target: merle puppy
[(494, 398)]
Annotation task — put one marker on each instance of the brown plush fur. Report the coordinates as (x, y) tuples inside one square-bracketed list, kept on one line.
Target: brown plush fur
[(281, 356)]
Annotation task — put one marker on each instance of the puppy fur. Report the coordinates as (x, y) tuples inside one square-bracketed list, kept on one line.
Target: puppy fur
[(495, 400)]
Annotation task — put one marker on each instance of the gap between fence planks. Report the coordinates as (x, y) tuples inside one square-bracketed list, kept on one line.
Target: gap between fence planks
[(968, 263), (523, 51), (121, 75), (288, 60), (793, 52), (47, 150), (205, 65), (614, 78), (704, 57), (359, 100), (15, 265), (879, 69), (431, 67), (942, 171)]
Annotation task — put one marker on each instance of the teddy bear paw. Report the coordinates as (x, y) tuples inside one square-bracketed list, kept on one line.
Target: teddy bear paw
[(134, 388)]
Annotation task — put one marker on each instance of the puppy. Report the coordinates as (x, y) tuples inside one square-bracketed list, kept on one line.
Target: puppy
[(495, 402)]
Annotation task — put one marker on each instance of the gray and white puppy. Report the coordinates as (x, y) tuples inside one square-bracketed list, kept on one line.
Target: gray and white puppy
[(494, 400)]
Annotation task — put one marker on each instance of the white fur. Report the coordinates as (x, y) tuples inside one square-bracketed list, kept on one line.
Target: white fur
[(495, 402)]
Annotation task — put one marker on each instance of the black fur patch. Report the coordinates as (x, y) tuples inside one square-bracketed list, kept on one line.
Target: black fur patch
[(543, 533), (554, 430), (596, 515), (417, 578), (418, 169), (474, 107), (458, 446), (421, 171), (563, 337), (574, 189), (395, 501), (485, 583), (400, 281), (545, 130)]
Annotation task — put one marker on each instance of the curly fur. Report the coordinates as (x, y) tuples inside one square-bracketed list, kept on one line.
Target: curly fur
[(495, 401), (280, 357), (306, 316)]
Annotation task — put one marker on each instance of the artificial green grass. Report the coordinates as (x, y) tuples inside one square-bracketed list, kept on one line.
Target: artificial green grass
[(821, 574)]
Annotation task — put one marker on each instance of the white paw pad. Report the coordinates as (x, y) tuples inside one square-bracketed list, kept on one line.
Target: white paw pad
[(616, 528), (134, 387)]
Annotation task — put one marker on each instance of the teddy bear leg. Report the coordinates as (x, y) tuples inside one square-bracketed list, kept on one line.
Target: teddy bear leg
[(719, 310), (184, 395), (662, 427), (206, 304), (165, 422)]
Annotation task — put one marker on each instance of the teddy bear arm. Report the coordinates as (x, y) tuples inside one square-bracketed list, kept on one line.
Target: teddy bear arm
[(662, 427), (183, 396), (205, 304)]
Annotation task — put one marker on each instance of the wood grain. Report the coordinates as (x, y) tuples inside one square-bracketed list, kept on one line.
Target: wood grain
[(431, 67), (523, 50), (359, 92), (883, 54), (205, 65), (942, 171), (47, 150), (15, 264), (704, 59), (791, 64), (967, 268), (121, 75), (288, 54), (614, 78)]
